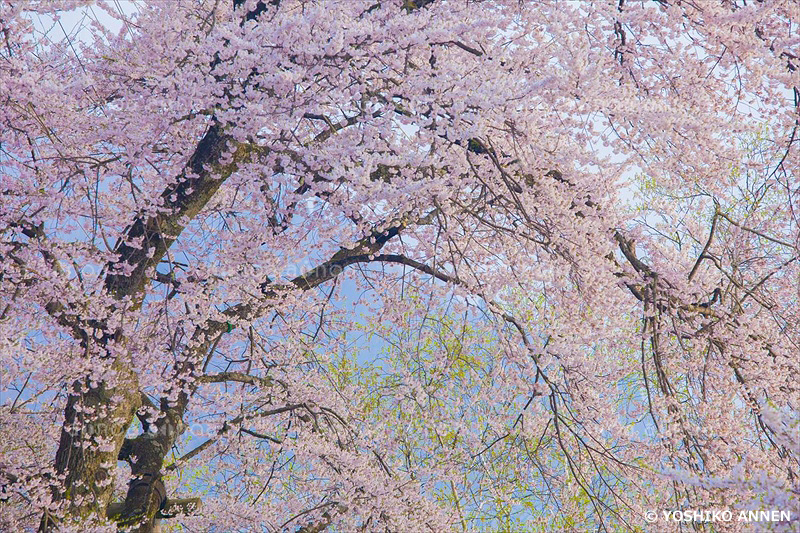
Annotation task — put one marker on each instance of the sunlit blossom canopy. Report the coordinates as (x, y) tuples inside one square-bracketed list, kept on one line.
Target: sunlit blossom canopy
[(410, 265)]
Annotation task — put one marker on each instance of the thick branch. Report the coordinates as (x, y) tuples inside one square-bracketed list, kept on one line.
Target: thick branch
[(148, 238), (173, 507)]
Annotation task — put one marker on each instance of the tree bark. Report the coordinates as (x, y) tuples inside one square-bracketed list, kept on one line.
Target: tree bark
[(98, 415), (96, 419)]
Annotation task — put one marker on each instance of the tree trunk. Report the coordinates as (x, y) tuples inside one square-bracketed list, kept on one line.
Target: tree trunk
[(97, 417)]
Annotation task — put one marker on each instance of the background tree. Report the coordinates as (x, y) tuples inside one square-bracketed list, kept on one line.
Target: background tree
[(403, 266)]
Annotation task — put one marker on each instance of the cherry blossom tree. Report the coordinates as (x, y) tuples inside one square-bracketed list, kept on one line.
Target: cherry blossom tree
[(398, 265)]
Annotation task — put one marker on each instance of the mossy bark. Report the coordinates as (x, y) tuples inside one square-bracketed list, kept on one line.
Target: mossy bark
[(97, 417)]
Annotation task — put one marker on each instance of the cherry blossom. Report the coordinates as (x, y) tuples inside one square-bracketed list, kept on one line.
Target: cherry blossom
[(406, 265)]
